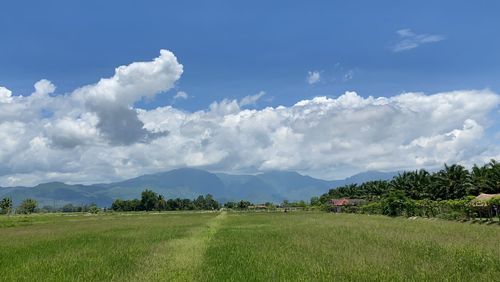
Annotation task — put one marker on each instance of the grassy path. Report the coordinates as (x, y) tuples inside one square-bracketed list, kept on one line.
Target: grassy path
[(118, 247), (180, 259)]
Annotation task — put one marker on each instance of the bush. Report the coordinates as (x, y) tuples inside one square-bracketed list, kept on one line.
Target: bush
[(372, 208), (451, 215), (94, 209)]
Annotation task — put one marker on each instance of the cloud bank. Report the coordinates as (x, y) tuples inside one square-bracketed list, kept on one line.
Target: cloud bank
[(94, 134)]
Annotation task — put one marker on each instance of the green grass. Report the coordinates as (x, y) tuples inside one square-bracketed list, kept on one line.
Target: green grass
[(299, 246)]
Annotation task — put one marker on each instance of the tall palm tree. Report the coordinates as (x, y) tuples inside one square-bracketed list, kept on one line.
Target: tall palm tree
[(480, 180), (452, 182), (494, 176), (415, 184)]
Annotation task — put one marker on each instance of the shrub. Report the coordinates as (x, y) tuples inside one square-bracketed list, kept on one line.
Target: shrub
[(94, 209), (372, 208)]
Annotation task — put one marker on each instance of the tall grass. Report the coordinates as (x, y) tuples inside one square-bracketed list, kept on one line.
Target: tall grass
[(91, 248), (297, 246), (347, 247)]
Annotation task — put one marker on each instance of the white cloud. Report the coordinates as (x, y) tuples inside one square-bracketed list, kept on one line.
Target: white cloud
[(409, 40), (252, 99), (313, 77), (44, 87), (94, 134), (112, 98), (181, 95), (5, 95), (132, 82)]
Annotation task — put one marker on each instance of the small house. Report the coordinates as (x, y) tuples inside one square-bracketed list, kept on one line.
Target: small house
[(483, 199), (339, 204)]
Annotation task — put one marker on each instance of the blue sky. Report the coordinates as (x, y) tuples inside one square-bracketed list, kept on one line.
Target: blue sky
[(231, 49), (68, 115)]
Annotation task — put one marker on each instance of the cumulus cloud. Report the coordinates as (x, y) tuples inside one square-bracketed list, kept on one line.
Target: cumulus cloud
[(44, 87), (96, 134), (5, 95), (313, 77), (181, 95), (322, 134), (112, 98), (409, 40)]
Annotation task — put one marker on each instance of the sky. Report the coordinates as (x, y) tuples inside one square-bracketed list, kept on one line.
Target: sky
[(98, 91)]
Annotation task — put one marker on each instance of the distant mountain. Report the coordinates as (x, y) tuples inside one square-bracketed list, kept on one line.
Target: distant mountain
[(274, 186), (366, 176), (56, 193), (183, 183)]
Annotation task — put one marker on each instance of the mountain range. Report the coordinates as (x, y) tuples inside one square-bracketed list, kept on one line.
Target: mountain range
[(274, 186)]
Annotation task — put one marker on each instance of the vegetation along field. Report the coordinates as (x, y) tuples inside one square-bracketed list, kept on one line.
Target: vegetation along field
[(245, 246)]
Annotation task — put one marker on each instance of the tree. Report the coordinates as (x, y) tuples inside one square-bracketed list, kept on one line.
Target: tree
[(243, 204), (6, 206), (480, 180), (161, 204), (315, 201), (200, 203), (373, 190), (94, 209), (27, 206), (415, 184), (452, 182), (394, 204), (211, 203), (48, 208), (118, 205), (68, 208), (493, 177), (230, 205), (285, 203), (148, 200)]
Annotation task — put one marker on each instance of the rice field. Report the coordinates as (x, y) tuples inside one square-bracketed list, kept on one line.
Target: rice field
[(226, 246)]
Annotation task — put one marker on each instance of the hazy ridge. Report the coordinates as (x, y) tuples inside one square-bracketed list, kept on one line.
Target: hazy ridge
[(274, 186)]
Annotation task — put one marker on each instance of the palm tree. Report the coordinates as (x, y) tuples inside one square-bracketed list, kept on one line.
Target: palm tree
[(415, 184), (374, 189), (452, 182), (494, 176), (480, 180)]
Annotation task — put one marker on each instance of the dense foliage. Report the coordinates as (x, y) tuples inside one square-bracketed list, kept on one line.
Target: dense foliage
[(150, 201), (27, 206), (6, 206), (447, 192)]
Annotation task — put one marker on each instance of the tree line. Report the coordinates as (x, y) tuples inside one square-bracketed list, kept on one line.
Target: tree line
[(448, 191), (27, 206), (152, 201)]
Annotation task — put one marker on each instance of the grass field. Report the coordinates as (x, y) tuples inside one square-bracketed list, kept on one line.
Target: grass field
[(299, 246)]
